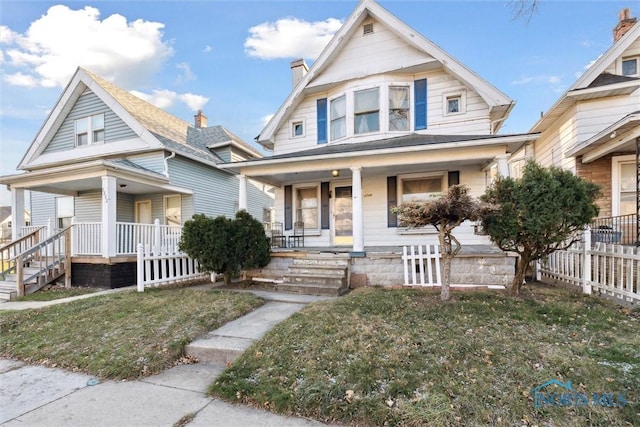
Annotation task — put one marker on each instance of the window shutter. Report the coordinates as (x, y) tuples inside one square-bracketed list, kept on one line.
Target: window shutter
[(324, 205), (392, 201), (420, 103), (454, 178), (288, 207), (321, 105)]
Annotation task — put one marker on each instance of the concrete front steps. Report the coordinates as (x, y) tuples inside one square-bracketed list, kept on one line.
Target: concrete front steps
[(317, 274)]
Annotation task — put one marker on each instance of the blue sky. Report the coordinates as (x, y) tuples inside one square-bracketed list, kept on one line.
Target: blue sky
[(231, 58)]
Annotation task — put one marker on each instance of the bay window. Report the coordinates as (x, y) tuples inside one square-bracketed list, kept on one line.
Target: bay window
[(338, 113), (398, 108), (366, 110)]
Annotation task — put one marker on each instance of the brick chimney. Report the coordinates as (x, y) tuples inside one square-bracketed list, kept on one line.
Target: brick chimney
[(298, 70), (201, 120), (625, 22)]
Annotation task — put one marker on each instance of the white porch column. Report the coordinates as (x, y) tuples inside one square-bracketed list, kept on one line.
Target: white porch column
[(17, 212), (242, 194), (358, 219), (109, 204), (503, 165)]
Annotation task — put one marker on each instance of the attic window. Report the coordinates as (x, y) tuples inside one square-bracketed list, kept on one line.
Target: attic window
[(367, 28), (89, 130), (630, 66)]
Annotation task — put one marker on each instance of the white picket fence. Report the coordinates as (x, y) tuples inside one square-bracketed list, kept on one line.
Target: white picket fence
[(421, 267), (610, 269), (161, 268)]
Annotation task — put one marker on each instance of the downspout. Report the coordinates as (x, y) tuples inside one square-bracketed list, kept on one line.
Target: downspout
[(166, 163)]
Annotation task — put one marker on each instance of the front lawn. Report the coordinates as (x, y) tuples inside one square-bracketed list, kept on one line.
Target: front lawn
[(122, 335), (402, 357)]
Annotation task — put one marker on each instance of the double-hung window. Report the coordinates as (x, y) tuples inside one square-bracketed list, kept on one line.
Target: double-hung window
[(398, 108), (338, 117), (307, 205), (173, 210), (89, 130), (366, 110), (628, 178)]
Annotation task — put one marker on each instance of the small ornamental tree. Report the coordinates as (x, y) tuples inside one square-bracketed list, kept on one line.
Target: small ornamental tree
[(445, 214), (538, 214), (222, 245)]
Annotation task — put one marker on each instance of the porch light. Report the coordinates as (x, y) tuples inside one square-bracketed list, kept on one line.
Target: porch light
[(123, 185), (335, 173)]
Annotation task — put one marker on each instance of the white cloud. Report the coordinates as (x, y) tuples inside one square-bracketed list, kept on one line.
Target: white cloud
[(538, 79), (167, 98), (20, 79), (186, 75), (290, 38), (127, 53), (207, 49)]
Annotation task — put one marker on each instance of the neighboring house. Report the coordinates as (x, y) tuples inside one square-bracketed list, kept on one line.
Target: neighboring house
[(110, 160), (6, 222), (593, 129), (383, 116)]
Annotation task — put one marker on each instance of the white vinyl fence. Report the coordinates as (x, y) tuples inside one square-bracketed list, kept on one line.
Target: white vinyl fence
[(610, 269), (161, 268), (421, 266)]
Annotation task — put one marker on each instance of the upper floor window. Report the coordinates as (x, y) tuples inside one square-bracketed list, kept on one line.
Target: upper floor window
[(297, 128), (398, 108), (90, 130), (630, 66), (338, 117), (366, 110), (454, 103)]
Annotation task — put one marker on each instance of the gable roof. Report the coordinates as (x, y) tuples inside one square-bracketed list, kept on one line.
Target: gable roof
[(499, 103), (595, 81), (157, 128)]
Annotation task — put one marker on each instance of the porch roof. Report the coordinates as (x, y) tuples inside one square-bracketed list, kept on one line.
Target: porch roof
[(74, 178), (411, 153), (619, 137)]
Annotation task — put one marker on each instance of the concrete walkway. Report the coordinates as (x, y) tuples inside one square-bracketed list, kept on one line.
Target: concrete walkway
[(39, 396)]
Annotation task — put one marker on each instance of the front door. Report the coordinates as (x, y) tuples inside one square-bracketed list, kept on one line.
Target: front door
[(342, 215), (143, 212)]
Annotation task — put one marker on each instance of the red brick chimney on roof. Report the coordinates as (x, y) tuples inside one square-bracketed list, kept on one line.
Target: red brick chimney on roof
[(201, 120), (625, 22)]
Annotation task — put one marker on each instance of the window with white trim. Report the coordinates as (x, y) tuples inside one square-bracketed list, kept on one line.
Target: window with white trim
[(366, 110), (338, 115), (89, 130), (297, 128), (307, 205), (630, 66), (628, 176), (416, 188), (399, 108), (64, 211), (173, 210)]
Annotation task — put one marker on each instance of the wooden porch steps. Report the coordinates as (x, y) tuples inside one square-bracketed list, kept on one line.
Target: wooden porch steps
[(9, 287), (318, 274)]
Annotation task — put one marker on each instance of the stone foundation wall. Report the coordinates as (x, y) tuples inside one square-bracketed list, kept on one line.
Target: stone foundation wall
[(379, 269)]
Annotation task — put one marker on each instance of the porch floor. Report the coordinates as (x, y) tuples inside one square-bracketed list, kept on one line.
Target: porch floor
[(384, 250)]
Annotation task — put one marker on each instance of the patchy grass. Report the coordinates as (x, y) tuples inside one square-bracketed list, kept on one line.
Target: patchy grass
[(122, 335), (402, 357), (57, 292)]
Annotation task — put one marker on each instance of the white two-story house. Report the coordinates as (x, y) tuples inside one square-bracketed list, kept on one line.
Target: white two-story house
[(383, 116)]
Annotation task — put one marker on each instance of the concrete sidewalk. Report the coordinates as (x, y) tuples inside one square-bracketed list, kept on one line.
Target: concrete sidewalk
[(39, 396)]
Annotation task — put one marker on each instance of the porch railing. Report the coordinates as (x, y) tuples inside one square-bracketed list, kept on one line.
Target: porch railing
[(621, 230)]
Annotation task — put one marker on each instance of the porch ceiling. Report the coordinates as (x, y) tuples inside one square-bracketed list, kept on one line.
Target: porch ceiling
[(620, 137)]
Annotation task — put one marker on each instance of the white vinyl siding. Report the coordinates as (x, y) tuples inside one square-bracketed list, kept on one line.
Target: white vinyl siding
[(88, 104)]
